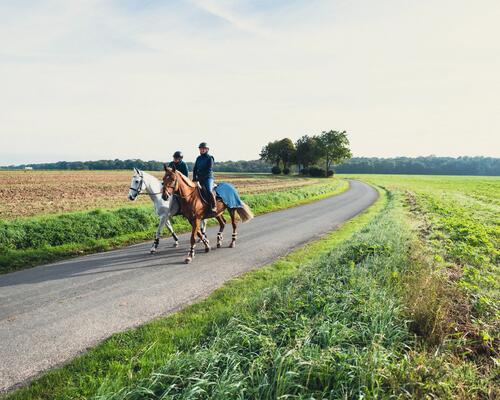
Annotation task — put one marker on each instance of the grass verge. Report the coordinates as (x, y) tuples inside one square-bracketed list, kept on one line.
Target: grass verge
[(33, 241), (127, 358)]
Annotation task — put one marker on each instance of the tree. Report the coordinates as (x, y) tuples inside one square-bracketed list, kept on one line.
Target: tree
[(271, 153), (307, 151), (279, 151), (335, 148), (286, 152)]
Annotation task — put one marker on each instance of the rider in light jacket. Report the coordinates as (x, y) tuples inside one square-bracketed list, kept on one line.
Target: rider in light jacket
[(203, 173)]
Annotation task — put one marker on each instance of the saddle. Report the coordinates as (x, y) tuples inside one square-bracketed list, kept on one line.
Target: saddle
[(205, 196)]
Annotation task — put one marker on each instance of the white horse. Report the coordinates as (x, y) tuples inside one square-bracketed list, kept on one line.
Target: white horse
[(142, 181)]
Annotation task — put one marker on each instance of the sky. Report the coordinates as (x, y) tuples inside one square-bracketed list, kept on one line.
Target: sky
[(95, 79)]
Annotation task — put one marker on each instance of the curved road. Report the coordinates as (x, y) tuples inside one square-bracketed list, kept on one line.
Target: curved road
[(51, 313)]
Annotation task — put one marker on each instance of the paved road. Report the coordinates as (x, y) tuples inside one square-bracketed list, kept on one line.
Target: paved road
[(51, 313)]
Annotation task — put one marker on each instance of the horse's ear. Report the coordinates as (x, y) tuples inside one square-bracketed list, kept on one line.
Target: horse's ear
[(165, 167), (135, 170)]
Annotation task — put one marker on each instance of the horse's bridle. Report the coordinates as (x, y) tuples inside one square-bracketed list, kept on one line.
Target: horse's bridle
[(138, 191), (173, 186)]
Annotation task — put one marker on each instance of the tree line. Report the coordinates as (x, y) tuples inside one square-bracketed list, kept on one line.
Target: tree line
[(314, 155), (429, 165), (257, 166)]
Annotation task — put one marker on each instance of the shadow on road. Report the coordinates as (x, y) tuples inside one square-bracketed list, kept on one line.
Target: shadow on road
[(97, 264)]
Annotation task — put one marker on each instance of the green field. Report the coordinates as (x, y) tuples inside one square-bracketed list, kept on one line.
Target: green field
[(401, 302)]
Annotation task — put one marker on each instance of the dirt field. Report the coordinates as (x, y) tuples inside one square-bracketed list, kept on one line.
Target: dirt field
[(30, 193)]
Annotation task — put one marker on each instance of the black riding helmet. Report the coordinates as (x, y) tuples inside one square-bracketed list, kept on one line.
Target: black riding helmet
[(178, 154), (203, 145)]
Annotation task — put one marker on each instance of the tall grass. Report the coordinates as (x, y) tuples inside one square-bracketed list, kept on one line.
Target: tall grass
[(336, 329), (31, 241), (457, 219)]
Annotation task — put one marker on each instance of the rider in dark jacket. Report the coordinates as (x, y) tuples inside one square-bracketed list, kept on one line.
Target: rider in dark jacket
[(203, 173), (178, 164)]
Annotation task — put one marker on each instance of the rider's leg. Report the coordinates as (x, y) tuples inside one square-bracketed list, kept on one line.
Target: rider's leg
[(210, 188)]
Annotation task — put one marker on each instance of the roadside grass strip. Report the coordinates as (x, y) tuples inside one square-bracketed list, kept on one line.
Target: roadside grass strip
[(125, 359), (32, 241)]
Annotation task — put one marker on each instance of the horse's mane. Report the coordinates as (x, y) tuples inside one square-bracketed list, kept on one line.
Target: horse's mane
[(186, 180), (149, 176), (153, 180)]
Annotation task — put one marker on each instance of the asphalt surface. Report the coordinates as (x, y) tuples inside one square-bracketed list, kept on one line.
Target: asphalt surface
[(51, 313)]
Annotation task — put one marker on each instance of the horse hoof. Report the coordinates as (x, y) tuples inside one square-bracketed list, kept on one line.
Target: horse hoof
[(219, 245), (176, 244), (207, 249), (152, 251), (187, 260), (232, 245)]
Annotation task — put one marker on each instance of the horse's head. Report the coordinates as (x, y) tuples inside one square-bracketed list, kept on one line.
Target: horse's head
[(136, 185), (170, 182)]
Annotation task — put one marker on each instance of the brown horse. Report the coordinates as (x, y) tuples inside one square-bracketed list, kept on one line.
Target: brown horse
[(195, 209)]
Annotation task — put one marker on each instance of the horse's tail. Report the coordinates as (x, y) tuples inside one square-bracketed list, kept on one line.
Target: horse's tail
[(245, 213)]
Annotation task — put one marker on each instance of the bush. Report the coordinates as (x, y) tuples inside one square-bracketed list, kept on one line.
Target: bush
[(316, 172), (330, 172), (304, 171), (276, 170), (76, 227), (286, 171)]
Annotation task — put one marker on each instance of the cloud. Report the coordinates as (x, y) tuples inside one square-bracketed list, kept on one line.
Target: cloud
[(139, 79), (227, 13)]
